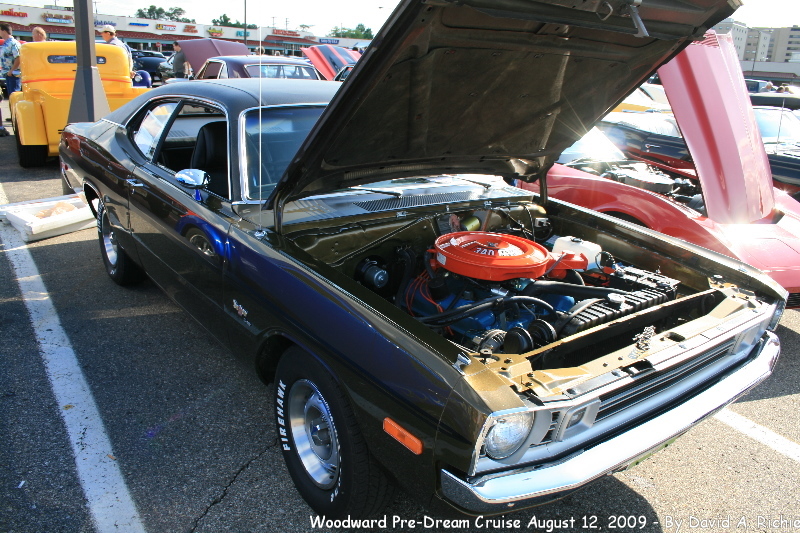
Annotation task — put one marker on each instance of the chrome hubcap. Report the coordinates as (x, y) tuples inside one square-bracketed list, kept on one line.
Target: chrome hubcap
[(109, 241), (314, 433), (202, 244)]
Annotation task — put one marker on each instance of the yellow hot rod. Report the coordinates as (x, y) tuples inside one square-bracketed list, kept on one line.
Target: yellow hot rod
[(39, 111)]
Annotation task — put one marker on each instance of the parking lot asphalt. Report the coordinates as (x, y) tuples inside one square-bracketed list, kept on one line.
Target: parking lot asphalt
[(192, 434)]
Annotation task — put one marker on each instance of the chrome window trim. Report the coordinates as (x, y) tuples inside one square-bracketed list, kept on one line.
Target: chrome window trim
[(182, 99), (243, 181)]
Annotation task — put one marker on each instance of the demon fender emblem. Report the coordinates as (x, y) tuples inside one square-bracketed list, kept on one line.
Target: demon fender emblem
[(240, 310), (642, 342)]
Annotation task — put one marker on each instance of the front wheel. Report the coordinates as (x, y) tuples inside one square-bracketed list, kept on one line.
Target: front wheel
[(119, 266), (322, 445), (32, 155)]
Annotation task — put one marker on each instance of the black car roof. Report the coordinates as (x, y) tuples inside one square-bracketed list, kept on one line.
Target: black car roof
[(237, 94)]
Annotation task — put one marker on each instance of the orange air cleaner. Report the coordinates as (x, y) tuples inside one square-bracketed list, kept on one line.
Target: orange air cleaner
[(500, 257)]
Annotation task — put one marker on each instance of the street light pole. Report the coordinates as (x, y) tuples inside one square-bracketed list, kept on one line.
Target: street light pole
[(245, 22)]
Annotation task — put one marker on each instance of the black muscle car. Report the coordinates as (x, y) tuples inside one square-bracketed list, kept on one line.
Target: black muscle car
[(422, 322)]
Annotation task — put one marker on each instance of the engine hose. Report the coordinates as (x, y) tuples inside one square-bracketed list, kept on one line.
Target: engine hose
[(572, 276), (454, 315), (576, 309), (568, 289), (428, 267), (407, 257)]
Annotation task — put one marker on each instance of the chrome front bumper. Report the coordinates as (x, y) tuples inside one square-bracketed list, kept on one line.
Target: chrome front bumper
[(525, 487)]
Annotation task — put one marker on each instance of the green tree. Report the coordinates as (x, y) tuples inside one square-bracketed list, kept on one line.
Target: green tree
[(225, 20), (174, 14), (359, 32)]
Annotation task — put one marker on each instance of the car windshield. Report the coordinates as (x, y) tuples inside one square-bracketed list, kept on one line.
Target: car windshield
[(595, 146), (272, 137), (777, 125), (295, 72)]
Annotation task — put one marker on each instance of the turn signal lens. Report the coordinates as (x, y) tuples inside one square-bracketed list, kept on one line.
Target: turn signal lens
[(402, 436)]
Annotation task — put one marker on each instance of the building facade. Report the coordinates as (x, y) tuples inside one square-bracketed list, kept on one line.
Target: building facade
[(159, 35), (784, 43), (757, 45)]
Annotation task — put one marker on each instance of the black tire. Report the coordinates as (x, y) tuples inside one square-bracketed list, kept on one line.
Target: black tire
[(336, 476), (119, 266), (30, 155)]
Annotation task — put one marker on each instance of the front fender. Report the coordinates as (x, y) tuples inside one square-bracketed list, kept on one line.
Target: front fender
[(28, 122)]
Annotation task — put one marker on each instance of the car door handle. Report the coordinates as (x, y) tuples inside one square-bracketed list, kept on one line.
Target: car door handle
[(134, 184), (648, 146)]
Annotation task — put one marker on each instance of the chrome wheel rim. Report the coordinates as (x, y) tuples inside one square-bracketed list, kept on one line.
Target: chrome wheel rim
[(202, 244), (109, 241), (314, 433)]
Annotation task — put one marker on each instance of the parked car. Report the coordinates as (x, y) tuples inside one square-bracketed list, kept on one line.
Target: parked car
[(784, 100), (197, 51), (656, 138), (251, 66), (39, 111), (372, 263), (755, 86), (149, 62), (166, 70), (334, 62), (736, 212)]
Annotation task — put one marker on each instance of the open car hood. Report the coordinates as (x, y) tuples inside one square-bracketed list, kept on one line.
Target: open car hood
[(329, 59), (197, 51), (709, 98), (487, 86)]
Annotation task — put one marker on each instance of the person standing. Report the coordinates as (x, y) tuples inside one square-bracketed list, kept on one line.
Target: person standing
[(109, 34), (9, 59), (179, 61), (39, 35)]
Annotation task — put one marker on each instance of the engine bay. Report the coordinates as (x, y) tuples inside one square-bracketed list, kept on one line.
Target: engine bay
[(542, 299)]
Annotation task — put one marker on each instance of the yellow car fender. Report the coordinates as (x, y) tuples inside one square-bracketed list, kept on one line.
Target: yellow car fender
[(29, 122)]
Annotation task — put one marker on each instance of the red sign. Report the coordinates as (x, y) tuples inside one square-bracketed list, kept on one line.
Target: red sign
[(190, 29), (12, 13), (288, 33)]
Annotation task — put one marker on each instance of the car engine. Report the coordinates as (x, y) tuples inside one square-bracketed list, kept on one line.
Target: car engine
[(501, 293)]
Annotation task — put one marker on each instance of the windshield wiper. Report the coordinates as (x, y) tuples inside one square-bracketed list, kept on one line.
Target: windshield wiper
[(390, 192)]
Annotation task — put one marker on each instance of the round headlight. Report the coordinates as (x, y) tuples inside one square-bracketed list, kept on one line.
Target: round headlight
[(507, 434)]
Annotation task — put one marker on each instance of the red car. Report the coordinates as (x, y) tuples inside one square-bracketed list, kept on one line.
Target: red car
[(739, 212)]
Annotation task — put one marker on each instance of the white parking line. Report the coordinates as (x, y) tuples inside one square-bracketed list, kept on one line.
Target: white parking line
[(109, 501), (761, 434)]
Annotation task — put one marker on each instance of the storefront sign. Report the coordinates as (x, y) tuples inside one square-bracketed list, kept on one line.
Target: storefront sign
[(57, 19), (12, 13), (242, 33), (287, 33), (190, 29), (329, 41), (167, 27), (138, 24), (215, 32), (104, 23)]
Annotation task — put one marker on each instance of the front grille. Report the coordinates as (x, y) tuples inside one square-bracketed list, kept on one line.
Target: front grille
[(650, 384), (416, 201), (793, 300), (548, 437)]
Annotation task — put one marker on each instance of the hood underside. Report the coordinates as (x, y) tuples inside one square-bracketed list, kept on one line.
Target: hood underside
[(487, 86)]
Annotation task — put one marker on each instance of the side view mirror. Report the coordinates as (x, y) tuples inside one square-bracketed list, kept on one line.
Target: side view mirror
[(192, 178)]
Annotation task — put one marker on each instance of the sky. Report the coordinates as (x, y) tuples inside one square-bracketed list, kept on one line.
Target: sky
[(323, 15)]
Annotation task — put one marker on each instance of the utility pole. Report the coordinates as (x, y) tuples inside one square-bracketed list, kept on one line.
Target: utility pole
[(89, 102), (245, 22)]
